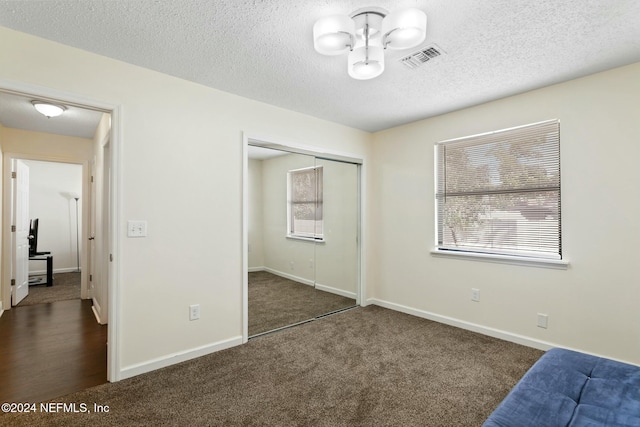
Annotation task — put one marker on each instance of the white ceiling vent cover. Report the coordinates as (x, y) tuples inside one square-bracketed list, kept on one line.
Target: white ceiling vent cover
[(422, 56)]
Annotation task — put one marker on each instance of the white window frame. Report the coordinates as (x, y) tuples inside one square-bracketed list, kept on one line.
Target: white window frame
[(297, 234), (508, 257)]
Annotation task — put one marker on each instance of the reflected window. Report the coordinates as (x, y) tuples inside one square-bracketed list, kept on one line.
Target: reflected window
[(499, 192), (304, 203)]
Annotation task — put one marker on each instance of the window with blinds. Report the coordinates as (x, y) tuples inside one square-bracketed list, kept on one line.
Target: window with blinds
[(304, 203), (499, 192)]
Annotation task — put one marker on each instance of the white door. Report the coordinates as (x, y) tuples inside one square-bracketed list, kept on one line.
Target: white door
[(21, 240), (92, 232)]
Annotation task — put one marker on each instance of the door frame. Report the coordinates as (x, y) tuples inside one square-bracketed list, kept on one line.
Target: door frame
[(7, 251), (321, 153), (114, 267)]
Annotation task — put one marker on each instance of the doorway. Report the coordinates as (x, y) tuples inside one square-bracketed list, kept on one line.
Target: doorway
[(301, 233), (54, 214), (41, 151)]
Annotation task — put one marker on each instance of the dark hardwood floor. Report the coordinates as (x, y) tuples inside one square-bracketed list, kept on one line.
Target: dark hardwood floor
[(49, 350)]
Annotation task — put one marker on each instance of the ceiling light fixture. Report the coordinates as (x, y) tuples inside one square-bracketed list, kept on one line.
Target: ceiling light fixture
[(365, 35), (48, 110)]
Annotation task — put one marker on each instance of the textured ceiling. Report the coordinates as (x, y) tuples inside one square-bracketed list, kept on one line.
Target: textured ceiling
[(262, 49)]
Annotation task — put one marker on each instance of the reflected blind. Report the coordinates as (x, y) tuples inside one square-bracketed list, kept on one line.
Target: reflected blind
[(305, 202), (500, 192)]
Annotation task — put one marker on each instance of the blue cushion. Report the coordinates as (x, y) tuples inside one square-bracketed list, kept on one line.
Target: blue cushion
[(566, 388), (592, 416)]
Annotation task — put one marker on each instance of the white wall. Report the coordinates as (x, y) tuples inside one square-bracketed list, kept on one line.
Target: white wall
[(593, 305), (181, 170), (51, 189), (254, 232)]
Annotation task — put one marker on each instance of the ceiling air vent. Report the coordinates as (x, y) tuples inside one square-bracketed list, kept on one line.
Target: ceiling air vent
[(422, 56)]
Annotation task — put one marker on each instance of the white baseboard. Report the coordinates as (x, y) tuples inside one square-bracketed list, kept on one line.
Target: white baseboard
[(336, 291), (55, 270), (289, 276), (97, 312), (182, 356), (1, 309), (318, 286), (496, 333)]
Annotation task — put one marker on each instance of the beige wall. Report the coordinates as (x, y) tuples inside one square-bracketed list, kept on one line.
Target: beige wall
[(181, 170), (255, 237), (39, 144), (593, 305)]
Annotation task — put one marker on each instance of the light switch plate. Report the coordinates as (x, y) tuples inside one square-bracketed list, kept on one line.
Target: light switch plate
[(136, 228)]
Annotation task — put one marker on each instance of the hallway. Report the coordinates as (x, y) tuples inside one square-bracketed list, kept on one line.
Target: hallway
[(49, 350)]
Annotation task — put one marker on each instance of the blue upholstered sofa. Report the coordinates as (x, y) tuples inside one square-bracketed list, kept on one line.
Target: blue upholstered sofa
[(570, 389)]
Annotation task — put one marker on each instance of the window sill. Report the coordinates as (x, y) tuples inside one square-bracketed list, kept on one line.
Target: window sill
[(558, 264), (308, 239)]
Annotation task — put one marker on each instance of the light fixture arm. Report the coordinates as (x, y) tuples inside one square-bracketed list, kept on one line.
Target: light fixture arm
[(366, 38)]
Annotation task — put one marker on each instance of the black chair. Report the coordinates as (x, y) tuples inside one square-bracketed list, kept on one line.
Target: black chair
[(35, 255)]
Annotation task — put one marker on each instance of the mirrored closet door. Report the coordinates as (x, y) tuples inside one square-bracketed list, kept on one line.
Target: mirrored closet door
[(302, 238)]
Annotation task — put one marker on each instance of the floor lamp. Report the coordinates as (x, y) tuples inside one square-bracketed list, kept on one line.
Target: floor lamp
[(77, 236)]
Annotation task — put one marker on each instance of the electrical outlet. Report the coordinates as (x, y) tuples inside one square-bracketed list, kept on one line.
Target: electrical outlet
[(543, 321), (194, 312), (475, 294)]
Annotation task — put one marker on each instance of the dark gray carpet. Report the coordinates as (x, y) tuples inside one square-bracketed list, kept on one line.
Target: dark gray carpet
[(66, 286), (363, 367), (275, 302)]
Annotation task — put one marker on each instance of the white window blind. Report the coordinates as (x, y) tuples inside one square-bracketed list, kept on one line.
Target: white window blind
[(304, 206), (499, 192)]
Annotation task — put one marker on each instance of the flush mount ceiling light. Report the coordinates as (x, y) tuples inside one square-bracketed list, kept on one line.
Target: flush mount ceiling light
[(47, 109), (365, 35)]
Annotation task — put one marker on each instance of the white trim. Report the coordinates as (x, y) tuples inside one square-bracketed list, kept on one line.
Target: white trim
[(57, 270), (318, 286), (115, 271), (558, 264), (290, 276), (245, 239), (474, 327), (493, 132), (484, 330), (295, 147), (332, 290), (308, 239), (96, 314), (178, 357)]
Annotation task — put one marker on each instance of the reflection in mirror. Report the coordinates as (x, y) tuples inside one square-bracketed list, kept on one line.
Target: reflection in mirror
[(297, 234), (336, 256)]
